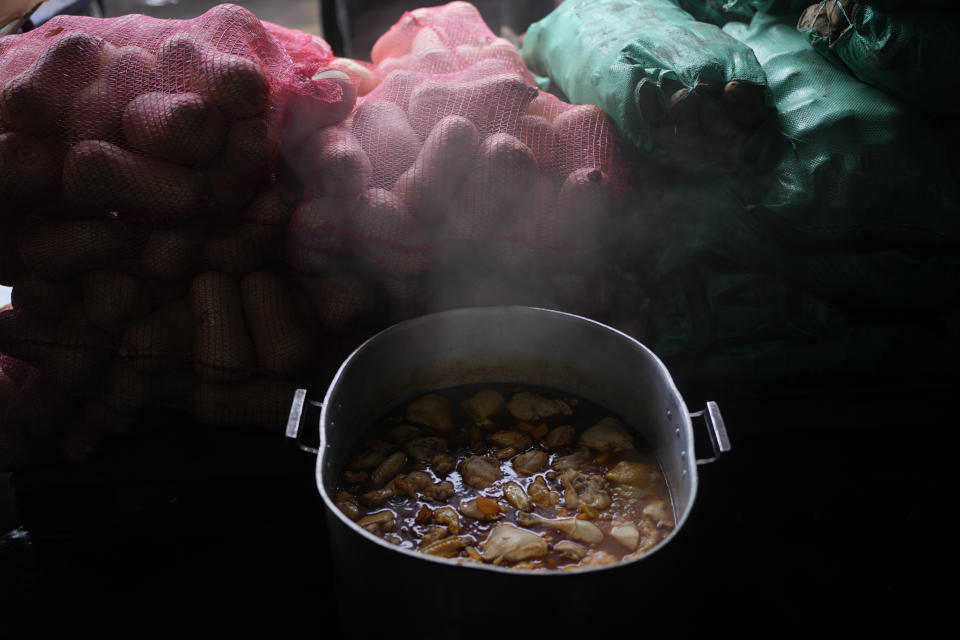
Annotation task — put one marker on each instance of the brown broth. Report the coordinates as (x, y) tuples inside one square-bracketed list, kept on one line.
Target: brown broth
[(625, 505)]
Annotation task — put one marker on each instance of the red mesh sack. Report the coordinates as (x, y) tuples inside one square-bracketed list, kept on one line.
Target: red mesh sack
[(456, 180)]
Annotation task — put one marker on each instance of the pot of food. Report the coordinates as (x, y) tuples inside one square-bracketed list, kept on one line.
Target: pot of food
[(500, 468)]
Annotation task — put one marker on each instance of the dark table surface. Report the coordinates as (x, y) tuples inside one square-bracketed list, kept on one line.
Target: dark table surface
[(827, 516)]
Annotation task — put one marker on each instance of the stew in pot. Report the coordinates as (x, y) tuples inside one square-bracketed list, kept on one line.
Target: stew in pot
[(508, 475)]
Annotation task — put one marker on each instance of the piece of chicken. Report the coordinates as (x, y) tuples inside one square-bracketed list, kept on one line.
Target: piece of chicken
[(572, 461), (607, 435), (431, 410), (432, 535), (482, 405), (347, 503), (570, 550), (480, 471), (586, 490), (439, 491), (379, 522), (626, 533), (355, 477), (443, 463), (413, 482), (510, 438), (447, 517), (376, 497), (659, 512), (531, 407), (481, 508), (366, 461), (574, 528), (506, 453), (531, 462), (387, 469), (636, 477), (448, 547), (404, 432), (516, 496), (598, 558), (649, 536), (560, 437), (380, 446), (507, 543), (425, 448), (541, 494)]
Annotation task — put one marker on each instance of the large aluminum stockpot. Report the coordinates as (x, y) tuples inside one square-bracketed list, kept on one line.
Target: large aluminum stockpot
[(491, 344)]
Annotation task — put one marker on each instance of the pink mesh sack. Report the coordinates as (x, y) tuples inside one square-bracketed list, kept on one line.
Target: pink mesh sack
[(144, 211), (456, 181)]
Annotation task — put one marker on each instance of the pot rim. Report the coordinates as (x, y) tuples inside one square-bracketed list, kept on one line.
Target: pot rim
[(684, 419)]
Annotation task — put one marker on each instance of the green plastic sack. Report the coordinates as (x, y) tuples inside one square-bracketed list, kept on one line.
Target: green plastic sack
[(774, 7), (718, 12), (629, 56), (712, 225), (848, 166), (909, 54), (717, 326)]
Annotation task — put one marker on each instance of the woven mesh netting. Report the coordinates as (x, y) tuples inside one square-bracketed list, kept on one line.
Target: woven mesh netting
[(207, 214), (456, 181)]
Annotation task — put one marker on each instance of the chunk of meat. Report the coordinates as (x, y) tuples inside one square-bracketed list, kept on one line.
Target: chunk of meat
[(649, 536), (449, 518), (532, 407), (376, 497), (448, 547), (626, 533), (541, 494), (366, 461), (355, 477), (598, 558), (387, 469), (378, 523), (560, 437), (636, 475), (574, 528), (413, 482), (432, 535), (482, 405), (506, 453), (607, 435), (531, 462), (570, 550), (507, 543), (425, 448), (659, 512), (439, 491), (347, 503), (517, 497), (572, 461), (584, 490), (510, 438), (380, 446), (481, 508), (431, 410), (404, 432), (480, 472), (443, 463)]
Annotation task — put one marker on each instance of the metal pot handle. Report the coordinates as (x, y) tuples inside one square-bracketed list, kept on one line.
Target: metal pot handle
[(716, 429), (295, 419)]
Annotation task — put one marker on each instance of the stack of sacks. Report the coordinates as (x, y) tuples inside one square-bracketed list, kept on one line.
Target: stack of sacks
[(144, 215), (456, 182)]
